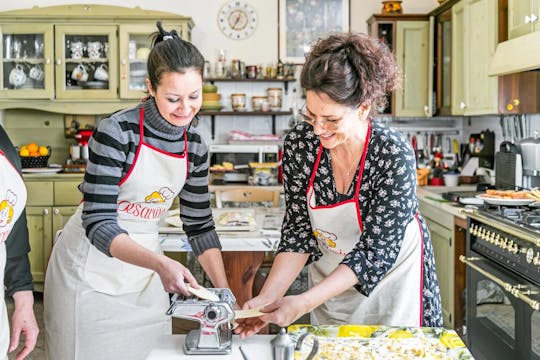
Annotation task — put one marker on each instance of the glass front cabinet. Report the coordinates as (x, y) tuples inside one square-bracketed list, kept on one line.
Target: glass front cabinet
[(27, 61), (83, 66), (70, 55), (135, 44)]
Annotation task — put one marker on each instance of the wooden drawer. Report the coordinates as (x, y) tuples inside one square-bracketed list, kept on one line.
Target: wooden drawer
[(67, 193), (40, 193)]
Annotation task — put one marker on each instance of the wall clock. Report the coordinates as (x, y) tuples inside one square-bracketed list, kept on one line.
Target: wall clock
[(237, 19)]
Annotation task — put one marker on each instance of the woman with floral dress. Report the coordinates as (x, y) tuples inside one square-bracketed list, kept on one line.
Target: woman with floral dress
[(351, 206)]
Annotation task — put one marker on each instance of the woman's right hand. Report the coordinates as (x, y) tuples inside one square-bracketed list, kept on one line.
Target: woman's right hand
[(174, 276), (250, 326)]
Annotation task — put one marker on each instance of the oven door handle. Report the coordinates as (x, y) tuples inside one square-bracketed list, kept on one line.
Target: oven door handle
[(512, 289)]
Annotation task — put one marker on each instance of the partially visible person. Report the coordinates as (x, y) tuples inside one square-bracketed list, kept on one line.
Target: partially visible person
[(351, 206), (107, 283), (14, 263)]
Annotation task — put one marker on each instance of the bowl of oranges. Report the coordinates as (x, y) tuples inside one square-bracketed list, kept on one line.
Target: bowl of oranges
[(34, 156)]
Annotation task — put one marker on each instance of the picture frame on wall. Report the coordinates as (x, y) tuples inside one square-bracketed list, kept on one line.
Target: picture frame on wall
[(301, 22)]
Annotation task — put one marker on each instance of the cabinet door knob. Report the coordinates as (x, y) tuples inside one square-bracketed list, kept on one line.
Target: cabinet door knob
[(124, 62), (462, 105), (530, 18), (45, 211), (58, 62), (56, 211), (47, 61), (426, 110)]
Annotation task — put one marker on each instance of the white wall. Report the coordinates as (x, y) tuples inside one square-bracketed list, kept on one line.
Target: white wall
[(261, 47)]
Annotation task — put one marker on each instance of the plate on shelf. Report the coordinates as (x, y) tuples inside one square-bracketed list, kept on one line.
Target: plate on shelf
[(41, 170), (503, 201)]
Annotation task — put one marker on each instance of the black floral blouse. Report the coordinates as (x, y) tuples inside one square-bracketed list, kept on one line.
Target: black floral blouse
[(388, 203)]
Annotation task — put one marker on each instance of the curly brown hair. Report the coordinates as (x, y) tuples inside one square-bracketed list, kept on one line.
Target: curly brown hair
[(352, 69)]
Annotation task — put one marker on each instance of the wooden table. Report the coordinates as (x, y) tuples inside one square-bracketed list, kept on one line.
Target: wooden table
[(243, 251)]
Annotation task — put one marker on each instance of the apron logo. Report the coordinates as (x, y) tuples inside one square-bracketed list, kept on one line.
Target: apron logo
[(159, 196), (6, 208), (328, 240)]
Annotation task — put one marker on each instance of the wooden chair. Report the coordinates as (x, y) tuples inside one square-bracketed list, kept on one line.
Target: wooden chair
[(251, 195)]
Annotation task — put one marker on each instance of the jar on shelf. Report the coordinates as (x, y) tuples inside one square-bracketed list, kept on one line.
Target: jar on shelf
[(275, 96), (238, 101), (257, 102)]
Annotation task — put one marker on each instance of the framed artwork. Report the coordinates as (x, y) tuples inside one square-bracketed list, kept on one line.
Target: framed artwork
[(301, 22)]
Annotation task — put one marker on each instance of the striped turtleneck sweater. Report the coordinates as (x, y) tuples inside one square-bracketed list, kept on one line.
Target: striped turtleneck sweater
[(112, 150)]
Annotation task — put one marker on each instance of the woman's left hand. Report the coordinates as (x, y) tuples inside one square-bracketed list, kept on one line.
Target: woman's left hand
[(286, 310), (282, 313), (23, 323)]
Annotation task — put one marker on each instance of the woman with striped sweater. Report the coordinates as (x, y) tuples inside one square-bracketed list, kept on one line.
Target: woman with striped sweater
[(107, 281)]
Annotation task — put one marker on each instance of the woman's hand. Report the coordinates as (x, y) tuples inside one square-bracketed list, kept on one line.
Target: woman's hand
[(251, 326), (287, 310), (23, 323), (173, 275)]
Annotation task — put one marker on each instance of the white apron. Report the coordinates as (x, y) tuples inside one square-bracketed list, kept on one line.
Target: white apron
[(12, 202), (397, 299), (116, 310)]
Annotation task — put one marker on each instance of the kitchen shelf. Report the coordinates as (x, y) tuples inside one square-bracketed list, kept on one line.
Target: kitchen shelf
[(284, 81), (273, 114)]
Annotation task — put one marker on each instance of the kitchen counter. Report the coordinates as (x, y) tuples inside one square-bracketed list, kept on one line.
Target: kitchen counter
[(432, 196), (171, 347)]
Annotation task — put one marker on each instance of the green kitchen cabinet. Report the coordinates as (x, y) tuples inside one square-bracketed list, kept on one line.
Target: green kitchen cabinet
[(412, 53), (43, 224), (408, 36), (441, 228), (474, 40), (523, 17), (84, 54), (27, 49), (50, 204), (134, 39)]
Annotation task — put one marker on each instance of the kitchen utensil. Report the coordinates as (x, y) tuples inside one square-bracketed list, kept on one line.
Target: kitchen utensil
[(101, 73), (17, 76), (214, 337), (508, 167), (282, 346), (79, 73), (530, 151)]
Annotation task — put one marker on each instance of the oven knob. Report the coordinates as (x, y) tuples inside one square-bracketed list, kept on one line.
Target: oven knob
[(530, 255), (536, 260), (498, 240), (515, 249), (510, 245), (472, 229), (503, 243), (482, 233)]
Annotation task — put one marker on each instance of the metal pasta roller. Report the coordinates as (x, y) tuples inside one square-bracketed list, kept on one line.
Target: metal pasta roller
[(214, 337)]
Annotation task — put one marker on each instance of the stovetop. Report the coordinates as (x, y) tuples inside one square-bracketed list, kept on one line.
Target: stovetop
[(523, 217)]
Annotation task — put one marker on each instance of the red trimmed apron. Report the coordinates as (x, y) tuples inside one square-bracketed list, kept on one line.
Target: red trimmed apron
[(397, 298), (12, 203), (104, 307)]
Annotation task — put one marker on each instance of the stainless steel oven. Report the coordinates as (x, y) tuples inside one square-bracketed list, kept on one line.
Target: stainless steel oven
[(503, 284)]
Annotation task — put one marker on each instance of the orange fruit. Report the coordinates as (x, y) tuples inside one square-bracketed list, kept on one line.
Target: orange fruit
[(43, 151), (24, 152), (34, 153), (32, 147)]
